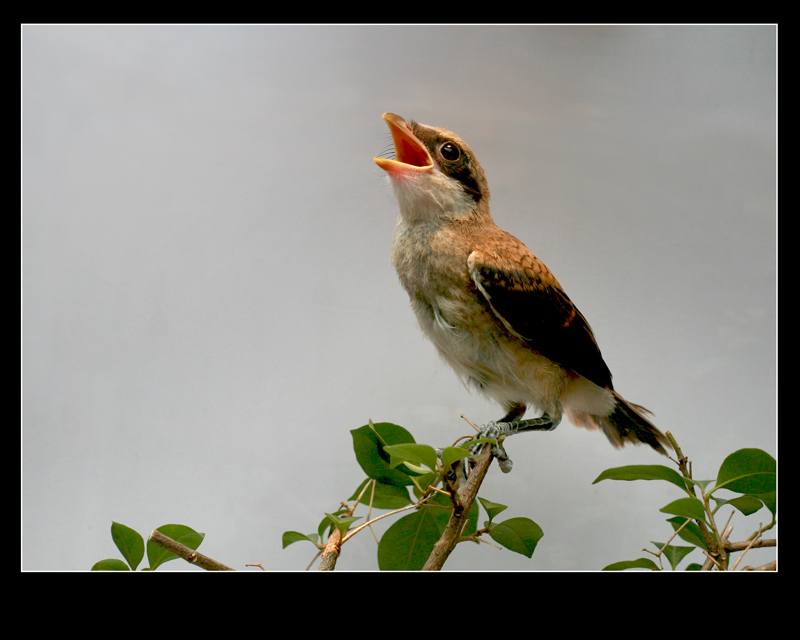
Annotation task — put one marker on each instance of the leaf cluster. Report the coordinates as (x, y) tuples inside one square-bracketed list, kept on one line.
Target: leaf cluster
[(749, 473), (404, 476), (132, 547)]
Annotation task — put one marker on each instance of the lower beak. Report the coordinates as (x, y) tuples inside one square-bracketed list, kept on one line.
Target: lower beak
[(411, 154)]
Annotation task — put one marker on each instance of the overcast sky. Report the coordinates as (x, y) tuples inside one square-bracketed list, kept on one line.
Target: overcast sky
[(209, 306)]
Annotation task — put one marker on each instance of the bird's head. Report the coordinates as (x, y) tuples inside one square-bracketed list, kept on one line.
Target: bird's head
[(434, 173)]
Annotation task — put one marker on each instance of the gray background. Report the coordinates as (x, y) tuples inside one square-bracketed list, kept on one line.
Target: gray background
[(209, 306)]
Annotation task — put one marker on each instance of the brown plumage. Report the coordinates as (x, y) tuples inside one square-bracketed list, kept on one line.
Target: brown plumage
[(494, 311)]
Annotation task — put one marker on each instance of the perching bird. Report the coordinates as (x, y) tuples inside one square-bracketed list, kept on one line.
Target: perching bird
[(494, 311)]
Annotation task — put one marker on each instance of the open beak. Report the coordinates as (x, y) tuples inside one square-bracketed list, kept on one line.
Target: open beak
[(411, 155)]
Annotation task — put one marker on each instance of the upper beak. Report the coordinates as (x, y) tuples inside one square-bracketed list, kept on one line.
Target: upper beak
[(411, 154)]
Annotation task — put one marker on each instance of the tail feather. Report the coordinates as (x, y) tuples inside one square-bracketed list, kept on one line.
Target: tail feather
[(626, 423)]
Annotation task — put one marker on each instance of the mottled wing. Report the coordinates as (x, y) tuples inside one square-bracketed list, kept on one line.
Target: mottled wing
[(525, 296)]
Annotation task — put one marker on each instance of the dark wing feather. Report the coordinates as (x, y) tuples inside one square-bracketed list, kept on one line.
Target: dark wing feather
[(527, 299)]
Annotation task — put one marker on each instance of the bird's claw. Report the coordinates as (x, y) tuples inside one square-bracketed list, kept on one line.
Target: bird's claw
[(497, 431)]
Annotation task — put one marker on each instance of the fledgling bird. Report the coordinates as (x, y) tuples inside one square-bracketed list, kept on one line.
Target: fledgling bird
[(494, 311)]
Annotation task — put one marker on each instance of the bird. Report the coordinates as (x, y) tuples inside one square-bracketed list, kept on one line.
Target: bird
[(494, 311)]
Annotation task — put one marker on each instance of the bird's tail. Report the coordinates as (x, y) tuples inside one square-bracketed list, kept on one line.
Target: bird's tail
[(627, 423)]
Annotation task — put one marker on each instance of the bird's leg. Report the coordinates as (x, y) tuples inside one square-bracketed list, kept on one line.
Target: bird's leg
[(499, 431), (502, 429)]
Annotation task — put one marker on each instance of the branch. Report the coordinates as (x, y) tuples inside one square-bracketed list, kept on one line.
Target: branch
[(466, 496), (710, 539), (742, 546), (770, 566), (335, 541), (187, 553), (331, 553), (416, 505)]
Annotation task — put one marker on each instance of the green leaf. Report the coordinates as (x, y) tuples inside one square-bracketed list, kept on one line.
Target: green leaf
[(476, 441), (386, 496), (690, 533), (492, 508), (326, 525), (517, 534), (406, 545), (369, 444), (643, 472), (748, 471), (770, 501), (129, 542), (111, 564), (440, 508), (342, 524), (290, 537), (422, 482), (157, 556), (451, 455), (687, 507), (641, 563), (699, 483), (673, 554), (747, 504), (472, 520), (413, 454)]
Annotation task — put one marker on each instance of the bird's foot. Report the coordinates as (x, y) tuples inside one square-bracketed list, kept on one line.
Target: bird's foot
[(499, 431), (496, 431)]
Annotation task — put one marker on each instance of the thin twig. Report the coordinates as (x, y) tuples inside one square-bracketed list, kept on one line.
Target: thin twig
[(471, 423), (710, 562), (710, 540), (726, 529), (372, 484), (187, 553), (369, 484), (476, 537), (350, 534), (666, 544), (749, 546), (314, 559)]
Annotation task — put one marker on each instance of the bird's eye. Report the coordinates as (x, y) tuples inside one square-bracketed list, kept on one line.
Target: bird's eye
[(450, 151)]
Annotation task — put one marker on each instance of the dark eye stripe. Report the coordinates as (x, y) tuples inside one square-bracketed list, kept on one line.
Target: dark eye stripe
[(467, 180)]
